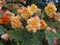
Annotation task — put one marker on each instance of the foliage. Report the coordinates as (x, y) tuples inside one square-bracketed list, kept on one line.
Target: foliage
[(29, 25)]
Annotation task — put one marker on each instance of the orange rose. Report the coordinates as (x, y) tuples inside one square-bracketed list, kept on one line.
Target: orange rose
[(15, 22), (5, 19), (43, 24), (1, 22), (26, 13)]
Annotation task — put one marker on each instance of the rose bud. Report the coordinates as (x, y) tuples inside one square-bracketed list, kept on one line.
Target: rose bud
[(5, 36)]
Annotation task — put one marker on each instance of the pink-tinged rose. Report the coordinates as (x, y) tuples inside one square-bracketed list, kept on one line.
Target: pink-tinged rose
[(53, 30), (11, 39), (5, 36), (0, 9), (48, 28), (54, 42), (38, 10), (23, 1), (50, 16), (7, 12), (22, 27)]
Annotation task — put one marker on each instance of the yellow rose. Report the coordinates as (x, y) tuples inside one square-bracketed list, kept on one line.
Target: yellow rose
[(33, 7), (33, 24), (50, 9)]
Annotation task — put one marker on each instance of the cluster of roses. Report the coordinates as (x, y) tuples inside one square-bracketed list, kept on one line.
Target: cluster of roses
[(30, 15), (34, 23)]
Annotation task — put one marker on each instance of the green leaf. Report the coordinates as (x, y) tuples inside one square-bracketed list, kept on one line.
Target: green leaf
[(20, 35), (35, 1), (1, 43), (37, 38), (2, 29), (58, 32), (50, 42), (14, 11), (19, 4), (50, 36), (54, 24), (27, 38), (16, 34), (1, 15)]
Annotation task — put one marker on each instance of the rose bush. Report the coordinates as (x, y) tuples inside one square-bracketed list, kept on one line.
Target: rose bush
[(29, 25)]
